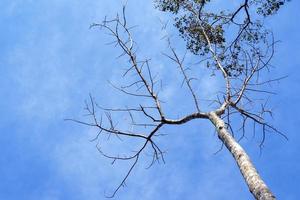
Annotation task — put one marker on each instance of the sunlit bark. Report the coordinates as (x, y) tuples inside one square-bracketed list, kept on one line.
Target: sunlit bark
[(255, 183)]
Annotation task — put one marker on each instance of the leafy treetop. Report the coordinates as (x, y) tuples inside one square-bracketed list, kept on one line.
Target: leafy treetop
[(231, 33)]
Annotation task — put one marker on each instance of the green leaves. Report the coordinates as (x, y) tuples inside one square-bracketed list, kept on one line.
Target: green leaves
[(227, 35), (174, 6), (268, 7)]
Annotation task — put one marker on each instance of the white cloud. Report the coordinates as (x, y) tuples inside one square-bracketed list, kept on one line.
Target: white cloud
[(50, 84)]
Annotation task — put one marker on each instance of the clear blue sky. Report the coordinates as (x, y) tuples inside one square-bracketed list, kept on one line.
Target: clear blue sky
[(50, 61)]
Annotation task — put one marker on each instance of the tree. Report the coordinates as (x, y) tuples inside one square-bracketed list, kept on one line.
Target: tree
[(234, 44)]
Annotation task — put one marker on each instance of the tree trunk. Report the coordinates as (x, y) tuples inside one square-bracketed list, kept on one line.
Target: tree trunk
[(255, 183)]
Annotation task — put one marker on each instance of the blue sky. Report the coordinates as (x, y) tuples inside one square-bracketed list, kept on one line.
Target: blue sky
[(49, 63)]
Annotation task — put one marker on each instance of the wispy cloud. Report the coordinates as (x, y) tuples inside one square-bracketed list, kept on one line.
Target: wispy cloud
[(54, 61)]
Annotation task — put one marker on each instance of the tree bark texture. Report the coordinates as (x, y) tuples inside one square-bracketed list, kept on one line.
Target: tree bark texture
[(255, 183)]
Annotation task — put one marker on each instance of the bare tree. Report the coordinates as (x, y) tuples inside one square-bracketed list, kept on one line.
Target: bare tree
[(234, 44)]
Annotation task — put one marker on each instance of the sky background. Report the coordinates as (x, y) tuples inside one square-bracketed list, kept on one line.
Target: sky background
[(49, 63)]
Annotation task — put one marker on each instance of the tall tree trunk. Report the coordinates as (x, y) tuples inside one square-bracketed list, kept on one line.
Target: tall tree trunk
[(255, 183)]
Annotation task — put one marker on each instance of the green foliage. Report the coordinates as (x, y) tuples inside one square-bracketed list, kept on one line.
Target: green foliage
[(191, 32), (175, 5), (268, 7), (230, 32)]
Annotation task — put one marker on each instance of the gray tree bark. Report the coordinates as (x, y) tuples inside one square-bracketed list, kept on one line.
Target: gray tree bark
[(255, 183)]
